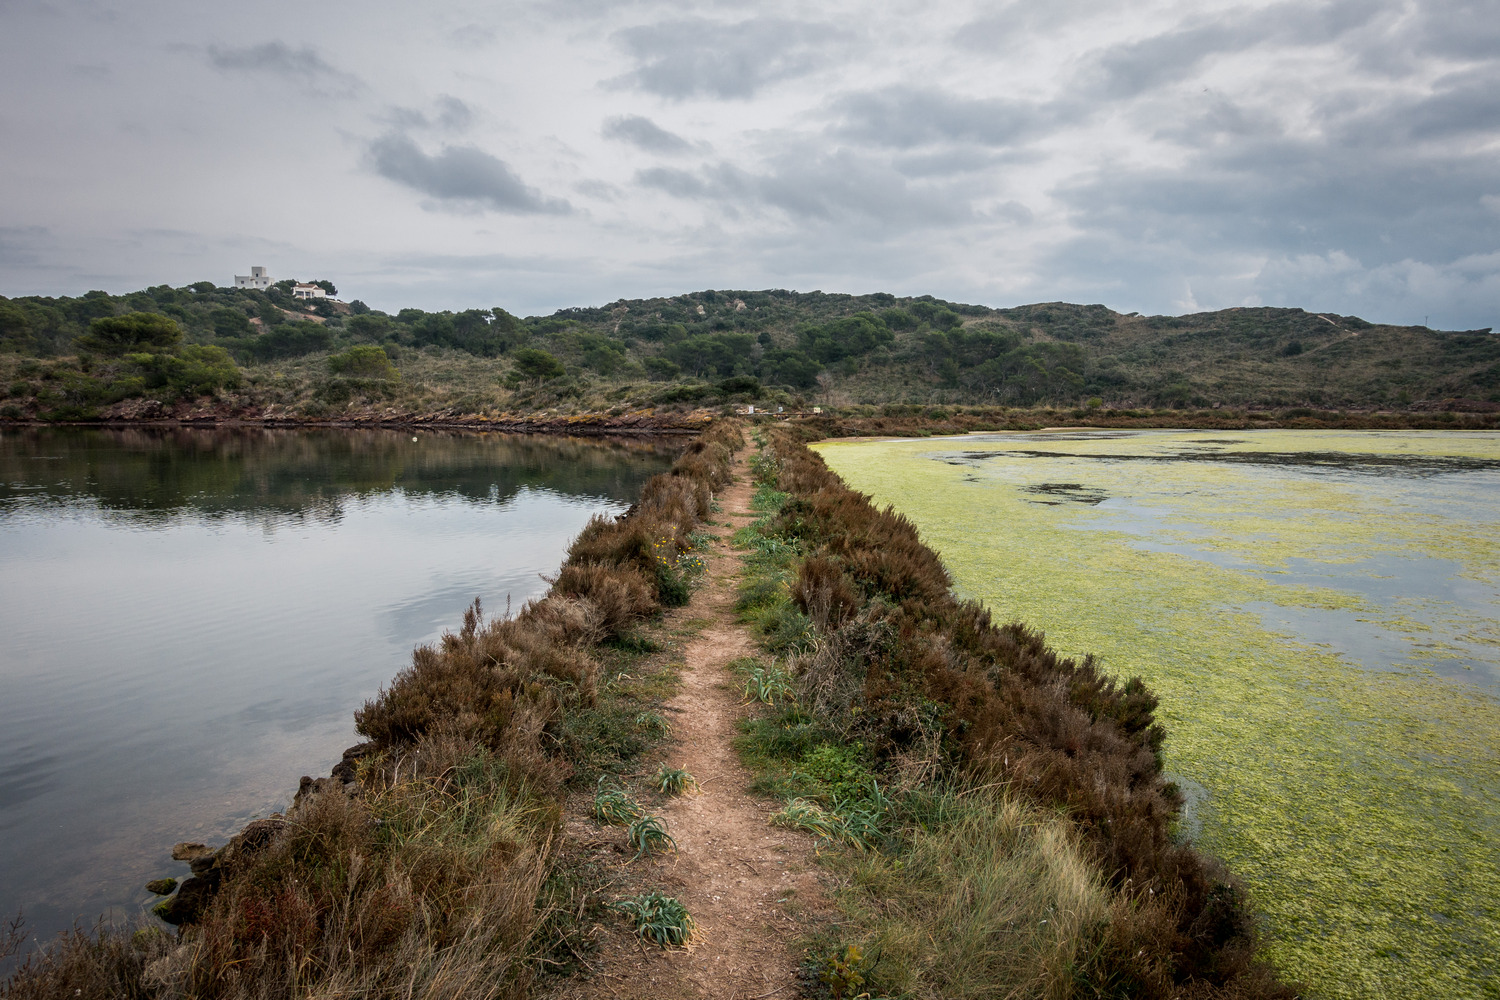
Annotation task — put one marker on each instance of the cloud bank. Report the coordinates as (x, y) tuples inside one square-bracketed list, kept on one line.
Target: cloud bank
[(1337, 155)]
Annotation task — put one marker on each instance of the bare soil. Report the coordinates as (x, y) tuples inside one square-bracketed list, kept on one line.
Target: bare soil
[(752, 888)]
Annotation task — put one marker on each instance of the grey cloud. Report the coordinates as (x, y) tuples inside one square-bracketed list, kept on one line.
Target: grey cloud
[(21, 245), (690, 58), (839, 188), (1463, 104), (459, 176), (473, 36), (450, 115), (646, 134), (1130, 69), (679, 183), (453, 114), (302, 65), (1461, 28), (1279, 197), (903, 117)]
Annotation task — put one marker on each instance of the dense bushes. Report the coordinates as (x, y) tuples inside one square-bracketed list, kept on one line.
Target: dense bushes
[(1006, 710)]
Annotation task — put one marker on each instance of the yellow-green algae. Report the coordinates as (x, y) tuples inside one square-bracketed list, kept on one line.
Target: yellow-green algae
[(1361, 806)]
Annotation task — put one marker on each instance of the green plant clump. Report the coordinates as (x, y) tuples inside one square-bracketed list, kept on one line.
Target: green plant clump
[(614, 806), (674, 781), (659, 918), (648, 834)]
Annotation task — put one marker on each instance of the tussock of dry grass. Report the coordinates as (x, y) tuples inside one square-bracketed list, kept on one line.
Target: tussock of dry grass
[(998, 900)]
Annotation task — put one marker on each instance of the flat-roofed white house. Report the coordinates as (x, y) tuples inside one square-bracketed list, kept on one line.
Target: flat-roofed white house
[(257, 278), (305, 291)]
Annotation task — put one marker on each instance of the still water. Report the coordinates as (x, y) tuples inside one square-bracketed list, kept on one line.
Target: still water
[(1319, 613), (191, 617)]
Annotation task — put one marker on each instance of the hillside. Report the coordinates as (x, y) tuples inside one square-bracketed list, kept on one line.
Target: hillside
[(258, 352)]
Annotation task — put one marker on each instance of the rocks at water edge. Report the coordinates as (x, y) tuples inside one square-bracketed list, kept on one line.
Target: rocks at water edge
[(209, 865)]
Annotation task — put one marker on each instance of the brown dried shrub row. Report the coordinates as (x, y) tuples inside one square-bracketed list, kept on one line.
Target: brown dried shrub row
[(474, 683), (1014, 712)]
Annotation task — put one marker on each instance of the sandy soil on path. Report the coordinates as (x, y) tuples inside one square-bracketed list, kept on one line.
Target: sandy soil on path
[(751, 887)]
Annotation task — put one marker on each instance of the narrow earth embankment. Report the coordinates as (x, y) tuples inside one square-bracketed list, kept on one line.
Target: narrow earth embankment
[(749, 886)]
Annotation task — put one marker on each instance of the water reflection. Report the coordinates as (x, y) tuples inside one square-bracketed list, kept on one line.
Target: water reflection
[(155, 475), (192, 616)]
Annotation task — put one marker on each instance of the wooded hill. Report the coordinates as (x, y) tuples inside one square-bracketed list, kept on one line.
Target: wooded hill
[(712, 346)]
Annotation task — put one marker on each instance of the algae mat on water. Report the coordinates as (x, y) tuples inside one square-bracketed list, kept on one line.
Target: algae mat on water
[(1317, 612)]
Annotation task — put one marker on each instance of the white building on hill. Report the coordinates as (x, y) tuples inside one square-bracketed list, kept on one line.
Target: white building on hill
[(257, 278), (305, 291)]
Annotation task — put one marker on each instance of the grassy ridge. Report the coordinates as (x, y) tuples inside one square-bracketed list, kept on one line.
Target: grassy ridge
[(250, 353), (983, 737), (421, 867)]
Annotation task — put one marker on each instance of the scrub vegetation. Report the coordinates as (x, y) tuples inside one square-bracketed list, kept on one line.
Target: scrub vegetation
[(424, 867), (1004, 822), (1356, 798), (210, 351)]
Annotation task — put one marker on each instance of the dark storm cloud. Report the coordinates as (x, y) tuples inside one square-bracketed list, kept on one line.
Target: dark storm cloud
[(691, 58), (463, 177), (906, 116), (645, 134), (303, 66), (840, 188)]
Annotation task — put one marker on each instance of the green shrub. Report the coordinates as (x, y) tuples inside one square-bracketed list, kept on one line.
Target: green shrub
[(133, 332), (195, 370), (364, 361)]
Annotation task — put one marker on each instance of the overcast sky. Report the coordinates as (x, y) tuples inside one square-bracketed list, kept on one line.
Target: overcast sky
[(1153, 156)]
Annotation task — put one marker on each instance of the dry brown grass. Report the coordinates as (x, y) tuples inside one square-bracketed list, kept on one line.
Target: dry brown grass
[(1000, 900)]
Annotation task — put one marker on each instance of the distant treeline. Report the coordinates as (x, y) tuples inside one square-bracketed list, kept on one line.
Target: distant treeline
[(869, 349)]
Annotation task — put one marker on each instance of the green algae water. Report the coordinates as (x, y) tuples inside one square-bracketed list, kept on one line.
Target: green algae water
[(1318, 613)]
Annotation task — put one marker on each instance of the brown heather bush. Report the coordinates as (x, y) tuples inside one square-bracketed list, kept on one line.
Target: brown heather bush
[(416, 872), (1015, 715), (620, 596)]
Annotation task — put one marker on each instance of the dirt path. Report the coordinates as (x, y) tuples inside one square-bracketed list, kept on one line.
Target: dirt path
[(748, 885)]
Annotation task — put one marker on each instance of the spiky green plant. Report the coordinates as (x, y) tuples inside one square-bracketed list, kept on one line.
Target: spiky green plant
[(649, 833), (613, 805), (768, 684), (654, 722), (861, 823), (673, 780), (658, 918), (804, 814)]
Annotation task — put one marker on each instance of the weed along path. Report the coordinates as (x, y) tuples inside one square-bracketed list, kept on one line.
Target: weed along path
[(750, 887)]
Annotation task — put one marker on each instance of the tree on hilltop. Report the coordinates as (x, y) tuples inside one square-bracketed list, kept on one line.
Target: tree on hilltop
[(131, 333)]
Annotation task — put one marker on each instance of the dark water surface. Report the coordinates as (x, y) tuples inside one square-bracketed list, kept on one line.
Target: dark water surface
[(190, 618)]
